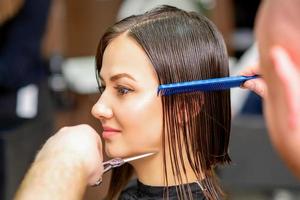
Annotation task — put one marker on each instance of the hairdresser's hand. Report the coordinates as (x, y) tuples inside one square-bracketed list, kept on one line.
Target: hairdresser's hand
[(78, 146), (257, 85)]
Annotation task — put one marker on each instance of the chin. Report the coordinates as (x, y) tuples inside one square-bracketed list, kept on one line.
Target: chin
[(116, 149), (113, 151)]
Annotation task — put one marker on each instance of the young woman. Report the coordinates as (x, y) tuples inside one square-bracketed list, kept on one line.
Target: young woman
[(189, 133)]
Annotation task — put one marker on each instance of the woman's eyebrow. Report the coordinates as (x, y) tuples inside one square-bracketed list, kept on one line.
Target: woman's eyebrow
[(118, 76)]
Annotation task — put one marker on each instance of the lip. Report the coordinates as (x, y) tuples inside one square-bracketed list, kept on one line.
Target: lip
[(108, 132)]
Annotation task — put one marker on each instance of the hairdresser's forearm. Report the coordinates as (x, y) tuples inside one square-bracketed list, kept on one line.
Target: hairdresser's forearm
[(57, 179)]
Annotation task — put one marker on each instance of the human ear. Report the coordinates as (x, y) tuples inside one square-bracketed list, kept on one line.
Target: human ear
[(190, 106), (288, 75)]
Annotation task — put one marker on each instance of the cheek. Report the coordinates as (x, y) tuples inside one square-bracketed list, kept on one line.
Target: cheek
[(142, 123)]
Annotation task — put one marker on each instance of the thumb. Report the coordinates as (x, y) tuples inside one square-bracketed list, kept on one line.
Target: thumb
[(256, 85)]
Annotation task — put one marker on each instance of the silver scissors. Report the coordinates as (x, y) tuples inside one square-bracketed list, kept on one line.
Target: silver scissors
[(117, 162)]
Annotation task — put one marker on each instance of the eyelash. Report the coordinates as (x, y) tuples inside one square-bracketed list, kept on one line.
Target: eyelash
[(120, 89)]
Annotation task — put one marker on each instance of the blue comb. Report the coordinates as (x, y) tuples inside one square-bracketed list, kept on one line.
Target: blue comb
[(204, 85)]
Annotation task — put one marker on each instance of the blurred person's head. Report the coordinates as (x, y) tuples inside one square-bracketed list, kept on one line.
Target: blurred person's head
[(189, 132), (277, 23), (278, 35)]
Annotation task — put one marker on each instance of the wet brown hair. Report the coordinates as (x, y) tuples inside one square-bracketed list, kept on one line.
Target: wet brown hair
[(182, 46)]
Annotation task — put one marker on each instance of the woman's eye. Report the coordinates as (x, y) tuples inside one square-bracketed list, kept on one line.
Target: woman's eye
[(123, 90)]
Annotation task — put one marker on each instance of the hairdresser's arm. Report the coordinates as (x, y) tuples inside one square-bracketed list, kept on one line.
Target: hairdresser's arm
[(68, 162)]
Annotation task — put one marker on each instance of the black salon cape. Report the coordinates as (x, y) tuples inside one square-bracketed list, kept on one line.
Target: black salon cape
[(137, 190)]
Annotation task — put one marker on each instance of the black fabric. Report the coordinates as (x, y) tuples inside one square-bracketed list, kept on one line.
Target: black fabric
[(137, 190), (21, 62), (8, 116)]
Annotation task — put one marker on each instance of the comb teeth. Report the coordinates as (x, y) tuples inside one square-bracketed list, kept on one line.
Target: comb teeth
[(203, 85)]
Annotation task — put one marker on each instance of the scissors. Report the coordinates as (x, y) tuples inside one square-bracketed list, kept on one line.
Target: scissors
[(117, 162)]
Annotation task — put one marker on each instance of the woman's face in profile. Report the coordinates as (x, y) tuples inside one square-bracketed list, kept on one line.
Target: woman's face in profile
[(129, 108)]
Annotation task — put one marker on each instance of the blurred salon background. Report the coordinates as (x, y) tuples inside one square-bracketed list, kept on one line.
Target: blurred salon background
[(47, 81)]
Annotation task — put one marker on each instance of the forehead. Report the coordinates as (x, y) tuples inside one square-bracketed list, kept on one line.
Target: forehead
[(124, 55)]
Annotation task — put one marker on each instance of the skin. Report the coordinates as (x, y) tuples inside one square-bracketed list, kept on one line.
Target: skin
[(69, 161), (279, 49), (132, 106), (129, 102)]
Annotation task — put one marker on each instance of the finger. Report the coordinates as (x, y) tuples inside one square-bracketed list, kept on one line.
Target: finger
[(100, 150), (251, 70), (257, 85), (98, 171)]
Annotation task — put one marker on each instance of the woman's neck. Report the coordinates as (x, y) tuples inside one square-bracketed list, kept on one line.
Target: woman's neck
[(150, 171)]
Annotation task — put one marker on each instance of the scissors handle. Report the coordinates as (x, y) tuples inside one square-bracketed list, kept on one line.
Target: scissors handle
[(116, 162), (108, 165)]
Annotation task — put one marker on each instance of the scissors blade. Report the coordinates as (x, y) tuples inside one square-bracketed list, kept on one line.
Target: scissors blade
[(137, 157)]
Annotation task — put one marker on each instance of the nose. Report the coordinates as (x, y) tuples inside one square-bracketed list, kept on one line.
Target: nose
[(101, 110)]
